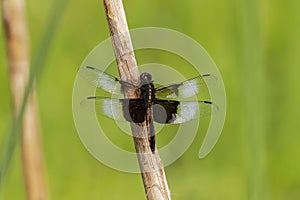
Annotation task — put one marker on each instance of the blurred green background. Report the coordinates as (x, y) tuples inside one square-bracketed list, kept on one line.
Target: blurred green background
[(256, 46)]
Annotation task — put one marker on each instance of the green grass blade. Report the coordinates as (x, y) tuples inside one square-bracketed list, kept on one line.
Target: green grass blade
[(252, 60)]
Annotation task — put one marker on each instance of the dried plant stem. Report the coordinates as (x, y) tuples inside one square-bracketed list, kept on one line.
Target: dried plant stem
[(152, 170), (19, 61)]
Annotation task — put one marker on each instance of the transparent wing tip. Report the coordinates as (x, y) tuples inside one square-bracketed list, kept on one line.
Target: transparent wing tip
[(87, 103), (214, 107), (210, 79)]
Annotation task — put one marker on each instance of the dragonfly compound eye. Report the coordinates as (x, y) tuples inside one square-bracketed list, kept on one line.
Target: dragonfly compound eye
[(145, 77)]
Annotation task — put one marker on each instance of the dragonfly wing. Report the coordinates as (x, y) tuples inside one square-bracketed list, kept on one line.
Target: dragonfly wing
[(109, 107), (164, 111), (100, 79), (177, 112), (187, 88), (131, 110)]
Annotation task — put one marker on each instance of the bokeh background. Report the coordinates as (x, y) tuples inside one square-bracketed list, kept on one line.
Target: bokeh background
[(256, 46)]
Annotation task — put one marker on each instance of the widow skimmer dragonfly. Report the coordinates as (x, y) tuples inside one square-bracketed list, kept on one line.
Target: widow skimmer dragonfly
[(156, 103)]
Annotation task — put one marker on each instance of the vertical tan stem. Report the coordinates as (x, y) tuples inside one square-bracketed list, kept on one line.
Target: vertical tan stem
[(18, 59), (152, 170)]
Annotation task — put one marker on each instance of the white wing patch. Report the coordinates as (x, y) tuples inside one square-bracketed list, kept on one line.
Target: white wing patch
[(107, 83), (190, 88), (188, 111), (109, 107), (100, 79), (187, 88)]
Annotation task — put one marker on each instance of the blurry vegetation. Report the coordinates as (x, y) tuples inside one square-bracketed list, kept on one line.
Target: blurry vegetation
[(221, 28)]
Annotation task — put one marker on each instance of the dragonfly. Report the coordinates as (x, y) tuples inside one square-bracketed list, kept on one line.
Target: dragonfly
[(155, 103)]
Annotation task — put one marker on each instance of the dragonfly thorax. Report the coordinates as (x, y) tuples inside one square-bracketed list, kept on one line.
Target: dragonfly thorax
[(147, 93)]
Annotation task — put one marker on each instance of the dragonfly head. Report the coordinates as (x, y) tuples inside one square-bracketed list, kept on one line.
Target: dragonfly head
[(145, 78)]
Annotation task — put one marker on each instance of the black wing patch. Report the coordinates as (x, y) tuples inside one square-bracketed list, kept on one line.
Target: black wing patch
[(134, 110), (177, 112), (187, 88), (164, 111)]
